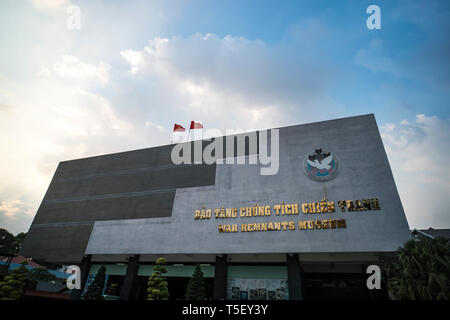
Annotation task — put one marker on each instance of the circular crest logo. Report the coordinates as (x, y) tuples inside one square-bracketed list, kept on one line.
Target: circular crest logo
[(321, 165)]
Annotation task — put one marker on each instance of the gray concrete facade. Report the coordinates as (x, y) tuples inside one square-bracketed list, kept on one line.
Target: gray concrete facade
[(137, 202), (364, 173)]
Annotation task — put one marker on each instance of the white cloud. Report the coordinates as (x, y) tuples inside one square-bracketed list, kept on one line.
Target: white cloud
[(71, 67), (134, 58), (420, 159), (44, 72), (50, 4), (51, 121), (10, 208), (16, 215), (149, 124), (237, 82), (57, 97), (373, 59)]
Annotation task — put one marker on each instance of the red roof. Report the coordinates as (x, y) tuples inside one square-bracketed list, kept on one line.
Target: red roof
[(20, 259)]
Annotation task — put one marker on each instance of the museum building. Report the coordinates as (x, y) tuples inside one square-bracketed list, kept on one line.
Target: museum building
[(307, 231)]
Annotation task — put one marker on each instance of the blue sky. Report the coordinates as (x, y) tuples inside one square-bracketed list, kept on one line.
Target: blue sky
[(134, 68)]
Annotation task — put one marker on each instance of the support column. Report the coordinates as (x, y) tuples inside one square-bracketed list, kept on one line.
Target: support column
[(294, 277), (85, 266), (220, 278), (126, 293)]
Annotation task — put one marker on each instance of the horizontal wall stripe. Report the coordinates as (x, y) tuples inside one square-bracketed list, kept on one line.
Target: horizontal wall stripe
[(110, 196), (121, 172), (61, 224)]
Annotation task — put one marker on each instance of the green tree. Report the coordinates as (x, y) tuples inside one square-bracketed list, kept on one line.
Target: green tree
[(18, 241), (95, 290), (421, 270), (10, 244), (7, 242), (196, 286), (11, 288), (157, 284), (39, 274)]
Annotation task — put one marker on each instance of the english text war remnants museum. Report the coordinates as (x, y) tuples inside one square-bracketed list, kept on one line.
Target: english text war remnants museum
[(309, 231)]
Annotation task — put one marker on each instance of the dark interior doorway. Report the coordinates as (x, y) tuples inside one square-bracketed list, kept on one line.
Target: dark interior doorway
[(114, 285)]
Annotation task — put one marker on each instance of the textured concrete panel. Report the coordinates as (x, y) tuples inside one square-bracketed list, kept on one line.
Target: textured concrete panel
[(59, 212), (124, 181), (156, 204), (144, 193), (365, 173), (57, 243)]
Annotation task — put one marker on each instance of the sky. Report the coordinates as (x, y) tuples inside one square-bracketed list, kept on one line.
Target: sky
[(134, 68)]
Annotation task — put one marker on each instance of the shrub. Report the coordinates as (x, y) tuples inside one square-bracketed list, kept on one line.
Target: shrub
[(157, 284)]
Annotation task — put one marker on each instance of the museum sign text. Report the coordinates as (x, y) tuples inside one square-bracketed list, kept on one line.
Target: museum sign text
[(316, 210)]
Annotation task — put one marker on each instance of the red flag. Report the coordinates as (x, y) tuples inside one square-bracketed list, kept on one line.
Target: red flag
[(196, 125), (178, 128)]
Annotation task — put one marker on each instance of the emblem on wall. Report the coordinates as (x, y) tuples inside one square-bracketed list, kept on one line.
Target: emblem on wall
[(321, 165)]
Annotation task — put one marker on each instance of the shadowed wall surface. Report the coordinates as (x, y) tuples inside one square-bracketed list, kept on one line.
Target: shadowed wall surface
[(127, 185)]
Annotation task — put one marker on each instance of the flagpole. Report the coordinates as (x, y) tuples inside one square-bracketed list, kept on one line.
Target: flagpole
[(190, 125)]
